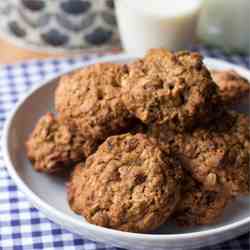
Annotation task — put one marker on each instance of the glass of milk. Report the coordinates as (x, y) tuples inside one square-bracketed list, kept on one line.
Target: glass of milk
[(146, 24)]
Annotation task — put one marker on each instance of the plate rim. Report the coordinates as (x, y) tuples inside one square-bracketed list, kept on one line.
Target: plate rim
[(66, 220)]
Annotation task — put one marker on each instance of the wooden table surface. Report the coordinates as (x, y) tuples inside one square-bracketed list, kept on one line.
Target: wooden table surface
[(10, 53)]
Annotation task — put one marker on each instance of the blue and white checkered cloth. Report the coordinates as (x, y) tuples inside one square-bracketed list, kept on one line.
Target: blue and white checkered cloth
[(21, 225)]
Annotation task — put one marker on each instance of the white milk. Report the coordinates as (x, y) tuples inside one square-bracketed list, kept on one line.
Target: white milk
[(146, 24)]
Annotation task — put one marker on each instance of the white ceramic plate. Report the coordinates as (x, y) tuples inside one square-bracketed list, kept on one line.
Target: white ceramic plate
[(48, 193)]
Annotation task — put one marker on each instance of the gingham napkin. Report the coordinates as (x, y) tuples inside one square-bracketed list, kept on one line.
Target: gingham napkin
[(21, 225)]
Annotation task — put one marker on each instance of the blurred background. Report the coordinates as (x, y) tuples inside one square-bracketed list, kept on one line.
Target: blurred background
[(41, 28)]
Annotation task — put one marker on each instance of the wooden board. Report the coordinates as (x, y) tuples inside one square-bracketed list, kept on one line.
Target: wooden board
[(9, 53)]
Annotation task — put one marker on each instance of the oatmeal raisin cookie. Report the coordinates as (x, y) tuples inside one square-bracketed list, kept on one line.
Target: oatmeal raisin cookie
[(55, 147), (216, 155), (129, 184), (198, 206), (90, 99), (232, 86), (172, 88)]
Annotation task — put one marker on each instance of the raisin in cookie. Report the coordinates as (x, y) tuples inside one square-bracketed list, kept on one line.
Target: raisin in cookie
[(198, 206), (129, 184), (164, 87), (90, 99), (232, 86), (55, 147)]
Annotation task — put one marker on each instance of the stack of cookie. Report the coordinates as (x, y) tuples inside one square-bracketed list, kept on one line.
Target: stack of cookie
[(147, 142)]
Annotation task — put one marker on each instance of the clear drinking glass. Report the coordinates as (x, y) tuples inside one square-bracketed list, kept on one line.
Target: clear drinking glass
[(226, 24), (146, 24)]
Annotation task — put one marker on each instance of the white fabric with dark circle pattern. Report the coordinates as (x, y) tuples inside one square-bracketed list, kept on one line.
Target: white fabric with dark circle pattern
[(69, 24)]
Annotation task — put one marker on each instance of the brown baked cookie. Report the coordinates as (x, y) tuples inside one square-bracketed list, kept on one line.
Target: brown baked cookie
[(90, 99), (129, 184), (217, 156), (198, 206), (55, 147), (164, 87), (232, 86)]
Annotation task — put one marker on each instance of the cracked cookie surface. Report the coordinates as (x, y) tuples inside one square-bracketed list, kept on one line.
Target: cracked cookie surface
[(129, 184)]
